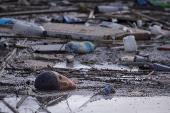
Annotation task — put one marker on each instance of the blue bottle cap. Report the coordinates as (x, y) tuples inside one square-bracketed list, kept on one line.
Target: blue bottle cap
[(44, 33)]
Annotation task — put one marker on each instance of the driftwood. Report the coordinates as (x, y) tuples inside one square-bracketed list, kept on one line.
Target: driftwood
[(21, 101), (22, 46), (150, 18), (10, 107), (9, 58), (30, 7), (39, 12), (41, 57)]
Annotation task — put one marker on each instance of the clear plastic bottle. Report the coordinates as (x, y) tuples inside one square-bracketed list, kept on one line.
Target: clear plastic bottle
[(27, 28), (105, 9), (130, 43)]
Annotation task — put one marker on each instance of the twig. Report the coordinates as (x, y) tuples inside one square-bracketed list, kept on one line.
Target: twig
[(40, 57), (39, 12), (10, 57), (21, 101), (9, 106), (34, 51), (61, 47), (149, 74), (90, 16)]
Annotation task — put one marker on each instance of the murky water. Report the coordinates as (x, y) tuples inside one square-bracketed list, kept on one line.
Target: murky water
[(74, 65), (78, 65), (100, 105), (115, 67)]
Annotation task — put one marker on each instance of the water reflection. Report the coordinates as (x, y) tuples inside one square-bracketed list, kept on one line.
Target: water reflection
[(99, 104)]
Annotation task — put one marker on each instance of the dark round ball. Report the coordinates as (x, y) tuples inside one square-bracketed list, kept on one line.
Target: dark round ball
[(46, 81)]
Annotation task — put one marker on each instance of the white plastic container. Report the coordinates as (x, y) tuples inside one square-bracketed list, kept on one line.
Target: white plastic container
[(70, 58), (130, 43), (27, 28)]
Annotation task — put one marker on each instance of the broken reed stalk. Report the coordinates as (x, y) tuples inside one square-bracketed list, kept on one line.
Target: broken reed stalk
[(21, 101), (10, 57), (90, 16), (150, 18), (40, 57), (10, 107), (149, 74), (20, 36)]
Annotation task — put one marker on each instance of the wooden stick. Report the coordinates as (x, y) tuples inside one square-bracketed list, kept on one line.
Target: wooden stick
[(21, 36), (40, 57), (150, 18), (39, 12), (1, 72), (30, 7), (90, 16), (10, 107), (149, 74), (22, 46), (7, 60), (21, 101)]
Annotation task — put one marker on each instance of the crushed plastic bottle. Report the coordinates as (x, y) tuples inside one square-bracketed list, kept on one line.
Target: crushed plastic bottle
[(134, 59), (159, 67), (113, 25), (27, 28), (107, 90), (67, 19), (79, 47)]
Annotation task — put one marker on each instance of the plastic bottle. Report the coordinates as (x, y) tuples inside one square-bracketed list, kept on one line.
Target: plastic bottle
[(79, 47), (159, 67), (134, 59), (67, 19), (139, 64), (105, 9), (27, 28), (160, 3), (130, 43)]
